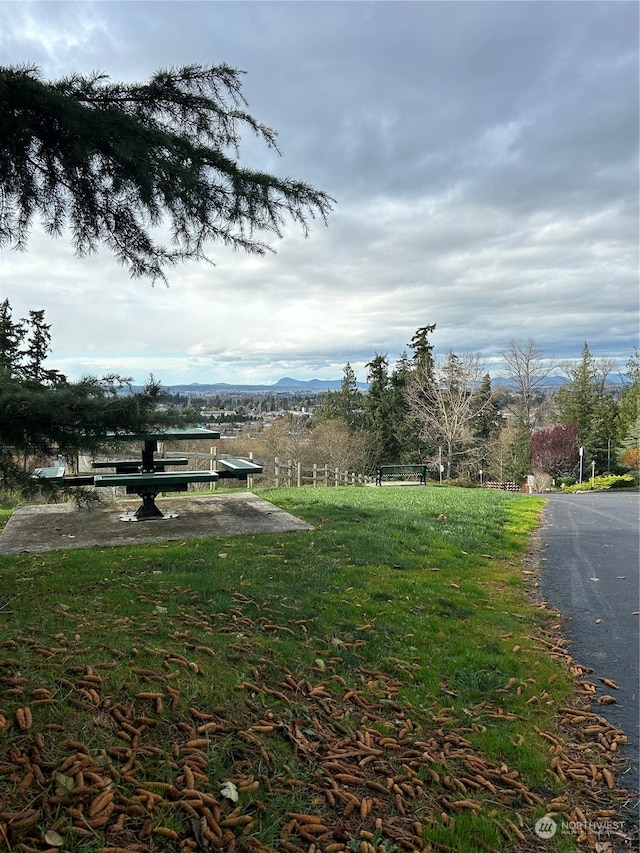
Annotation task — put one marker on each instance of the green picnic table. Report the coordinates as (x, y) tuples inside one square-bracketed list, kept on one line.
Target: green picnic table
[(57, 475), (149, 485), (54, 474), (148, 478), (148, 461), (240, 469)]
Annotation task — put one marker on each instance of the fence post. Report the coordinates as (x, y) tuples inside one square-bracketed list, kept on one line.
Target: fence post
[(277, 471), (213, 465), (289, 468), (299, 474), (250, 477), (315, 476), (336, 476)]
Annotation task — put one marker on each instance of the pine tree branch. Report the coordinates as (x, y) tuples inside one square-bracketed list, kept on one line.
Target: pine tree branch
[(116, 162)]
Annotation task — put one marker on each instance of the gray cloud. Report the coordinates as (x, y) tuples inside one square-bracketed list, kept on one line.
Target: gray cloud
[(483, 156)]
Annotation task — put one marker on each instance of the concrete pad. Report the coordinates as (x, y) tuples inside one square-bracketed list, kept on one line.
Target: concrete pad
[(52, 527)]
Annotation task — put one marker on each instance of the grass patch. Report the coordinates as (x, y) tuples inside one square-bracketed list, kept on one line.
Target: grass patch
[(5, 515), (381, 682)]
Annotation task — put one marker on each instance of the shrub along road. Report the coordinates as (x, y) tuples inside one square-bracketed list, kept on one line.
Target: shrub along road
[(590, 574)]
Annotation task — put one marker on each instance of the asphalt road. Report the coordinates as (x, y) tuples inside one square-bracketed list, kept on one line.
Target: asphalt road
[(591, 574)]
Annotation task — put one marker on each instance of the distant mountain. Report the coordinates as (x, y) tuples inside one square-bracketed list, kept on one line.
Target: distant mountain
[(312, 385), (289, 385), (286, 385)]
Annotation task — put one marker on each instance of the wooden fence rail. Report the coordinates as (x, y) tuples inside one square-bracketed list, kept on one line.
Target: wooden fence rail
[(279, 473)]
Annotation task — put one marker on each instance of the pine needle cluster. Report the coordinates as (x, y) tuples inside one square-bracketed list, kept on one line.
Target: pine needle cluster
[(149, 170)]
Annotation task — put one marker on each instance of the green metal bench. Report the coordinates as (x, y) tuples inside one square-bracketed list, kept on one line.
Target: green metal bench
[(240, 469), (401, 472), (149, 485)]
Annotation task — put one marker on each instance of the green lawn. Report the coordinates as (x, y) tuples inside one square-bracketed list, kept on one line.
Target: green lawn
[(382, 682)]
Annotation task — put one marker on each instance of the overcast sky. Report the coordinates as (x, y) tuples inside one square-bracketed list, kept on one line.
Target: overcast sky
[(483, 157)]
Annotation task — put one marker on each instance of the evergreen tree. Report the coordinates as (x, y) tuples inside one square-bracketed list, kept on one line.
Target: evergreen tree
[(486, 424), (12, 335), (379, 416), (38, 348), (585, 403), (327, 409), (41, 414), (343, 405), (350, 398), (603, 429), (413, 443), (112, 162), (408, 440), (628, 426), (575, 401), (45, 420), (423, 349), (401, 371)]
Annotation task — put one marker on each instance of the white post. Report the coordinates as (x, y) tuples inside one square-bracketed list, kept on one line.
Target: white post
[(277, 471), (213, 465), (581, 460), (315, 475)]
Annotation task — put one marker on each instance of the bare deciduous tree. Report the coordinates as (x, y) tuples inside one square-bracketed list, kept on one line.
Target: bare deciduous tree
[(334, 444), (527, 368), (444, 403), (286, 439)]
